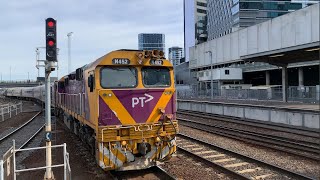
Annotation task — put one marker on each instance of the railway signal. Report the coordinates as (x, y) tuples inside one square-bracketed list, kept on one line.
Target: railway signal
[(51, 39), (51, 58)]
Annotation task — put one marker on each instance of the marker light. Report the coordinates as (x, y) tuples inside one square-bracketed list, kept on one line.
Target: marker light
[(147, 54), (140, 55), (161, 54), (155, 53)]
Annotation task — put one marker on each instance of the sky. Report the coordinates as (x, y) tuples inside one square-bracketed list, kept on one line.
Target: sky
[(98, 26)]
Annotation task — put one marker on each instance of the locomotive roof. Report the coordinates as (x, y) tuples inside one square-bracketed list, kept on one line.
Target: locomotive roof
[(129, 54)]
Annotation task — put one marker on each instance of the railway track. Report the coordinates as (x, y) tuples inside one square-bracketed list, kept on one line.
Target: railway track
[(154, 172), (23, 134), (307, 150), (254, 123), (232, 163)]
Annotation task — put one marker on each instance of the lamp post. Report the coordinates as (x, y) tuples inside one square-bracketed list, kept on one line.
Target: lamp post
[(211, 74), (10, 73), (69, 51)]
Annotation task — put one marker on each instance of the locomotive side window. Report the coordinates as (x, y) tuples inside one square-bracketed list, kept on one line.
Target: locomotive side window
[(118, 77), (156, 77)]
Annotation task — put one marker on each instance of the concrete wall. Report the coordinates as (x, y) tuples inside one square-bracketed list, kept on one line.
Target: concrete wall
[(299, 118), (293, 29)]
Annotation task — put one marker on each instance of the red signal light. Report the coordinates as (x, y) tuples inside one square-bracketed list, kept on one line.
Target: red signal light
[(50, 43), (50, 24)]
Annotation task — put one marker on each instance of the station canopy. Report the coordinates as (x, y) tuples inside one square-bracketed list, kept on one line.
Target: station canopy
[(282, 57)]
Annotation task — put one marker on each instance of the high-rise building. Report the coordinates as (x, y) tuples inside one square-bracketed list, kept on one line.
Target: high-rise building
[(200, 21), (219, 18), (175, 54), (151, 41), (226, 16), (195, 23)]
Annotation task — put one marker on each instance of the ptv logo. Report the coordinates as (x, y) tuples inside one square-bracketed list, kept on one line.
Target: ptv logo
[(141, 100)]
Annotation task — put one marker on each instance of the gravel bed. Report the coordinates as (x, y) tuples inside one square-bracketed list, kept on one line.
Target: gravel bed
[(35, 142), (28, 106), (22, 135), (290, 162), (183, 167), (152, 173), (249, 165), (274, 132), (258, 141)]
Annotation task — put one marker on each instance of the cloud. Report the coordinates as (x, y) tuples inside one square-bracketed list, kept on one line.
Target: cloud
[(99, 27)]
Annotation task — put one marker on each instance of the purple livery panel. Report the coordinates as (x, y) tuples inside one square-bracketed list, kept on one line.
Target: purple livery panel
[(171, 106), (139, 104)]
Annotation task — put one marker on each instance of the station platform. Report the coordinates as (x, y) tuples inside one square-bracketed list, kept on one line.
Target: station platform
[(271, 104), (292, 113)]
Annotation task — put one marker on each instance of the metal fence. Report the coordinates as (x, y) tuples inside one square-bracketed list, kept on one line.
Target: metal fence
[(19, 82), (308, 94), (1, 170), (9, 110), (8, 166), (6, 171)]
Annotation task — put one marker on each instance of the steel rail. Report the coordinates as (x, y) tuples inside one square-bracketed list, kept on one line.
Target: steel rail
[(302, 145), (253, 123), (246, 158), (254, 140), (212, 164), (36, 133), (19, 128)]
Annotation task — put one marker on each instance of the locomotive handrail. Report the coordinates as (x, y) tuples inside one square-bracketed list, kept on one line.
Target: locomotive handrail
[(1, 170), (72, 101), (80, 109)]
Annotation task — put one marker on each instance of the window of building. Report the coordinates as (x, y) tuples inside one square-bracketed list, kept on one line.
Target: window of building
[(201, 11), (226, 72), (199, 24), (201, 4)]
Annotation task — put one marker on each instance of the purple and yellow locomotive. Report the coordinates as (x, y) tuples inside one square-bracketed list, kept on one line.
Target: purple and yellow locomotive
[(123, 106)]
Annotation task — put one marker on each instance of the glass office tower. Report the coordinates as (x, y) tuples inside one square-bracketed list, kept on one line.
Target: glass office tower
[(151, 41), (226, 16)]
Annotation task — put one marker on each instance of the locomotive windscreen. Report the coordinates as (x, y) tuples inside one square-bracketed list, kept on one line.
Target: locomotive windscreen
[(156, 77), (118, 77)]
